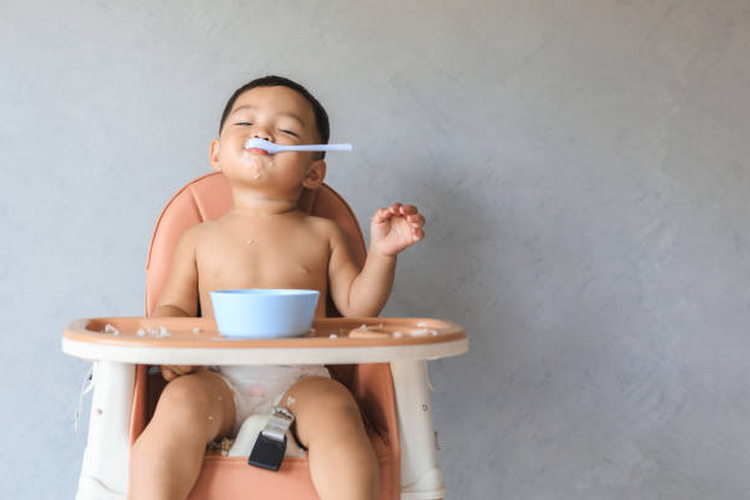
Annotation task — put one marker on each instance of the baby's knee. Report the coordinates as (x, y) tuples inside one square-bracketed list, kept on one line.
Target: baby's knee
[(189, 399), (323, 407), (182, 391), (321, 395)]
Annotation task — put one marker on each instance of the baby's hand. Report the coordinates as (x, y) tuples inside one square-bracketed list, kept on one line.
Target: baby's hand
[(170, 372), (395, 228)]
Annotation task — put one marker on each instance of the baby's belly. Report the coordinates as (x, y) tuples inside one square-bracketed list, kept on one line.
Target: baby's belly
[(205, 289)]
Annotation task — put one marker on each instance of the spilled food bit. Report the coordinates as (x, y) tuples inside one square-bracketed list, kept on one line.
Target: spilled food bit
[(222, 447), (111, 329), (156, 333), (423, 332)]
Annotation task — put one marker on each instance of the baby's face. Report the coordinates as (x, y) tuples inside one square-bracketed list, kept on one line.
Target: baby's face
[(277, 114)]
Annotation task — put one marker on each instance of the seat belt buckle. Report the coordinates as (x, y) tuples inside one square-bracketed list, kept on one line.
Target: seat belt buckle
[(270, 446)]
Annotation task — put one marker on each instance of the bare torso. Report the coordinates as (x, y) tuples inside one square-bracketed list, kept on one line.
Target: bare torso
[(281, 251)]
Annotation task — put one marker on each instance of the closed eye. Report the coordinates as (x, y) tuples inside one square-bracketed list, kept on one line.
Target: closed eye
[(243, 123), (288, 132)]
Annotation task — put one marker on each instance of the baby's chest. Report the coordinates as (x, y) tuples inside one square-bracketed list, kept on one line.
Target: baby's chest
[(263, 262)]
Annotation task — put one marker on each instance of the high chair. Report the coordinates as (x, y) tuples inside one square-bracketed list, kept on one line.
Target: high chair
[(381, 360)]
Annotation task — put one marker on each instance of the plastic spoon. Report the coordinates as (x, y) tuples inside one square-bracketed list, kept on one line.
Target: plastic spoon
[(272, 148)]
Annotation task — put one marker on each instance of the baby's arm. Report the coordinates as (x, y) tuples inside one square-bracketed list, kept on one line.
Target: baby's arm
[(365, 292), (179, 297)]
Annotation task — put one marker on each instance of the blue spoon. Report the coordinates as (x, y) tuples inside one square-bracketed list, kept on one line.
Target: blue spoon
[(272, 148)]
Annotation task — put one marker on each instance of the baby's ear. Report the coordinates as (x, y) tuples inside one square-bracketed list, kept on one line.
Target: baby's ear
[(213, 155), (316, 174)]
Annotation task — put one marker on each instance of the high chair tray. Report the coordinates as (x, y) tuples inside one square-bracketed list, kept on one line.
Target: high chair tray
[(196, 341)]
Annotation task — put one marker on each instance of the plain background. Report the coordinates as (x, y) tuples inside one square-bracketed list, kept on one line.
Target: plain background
[(583, 166)]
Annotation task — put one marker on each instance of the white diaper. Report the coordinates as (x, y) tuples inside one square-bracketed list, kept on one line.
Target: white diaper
[(257, 389)]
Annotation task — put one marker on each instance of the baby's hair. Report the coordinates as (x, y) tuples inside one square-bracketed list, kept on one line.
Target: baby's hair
[(321, 117)]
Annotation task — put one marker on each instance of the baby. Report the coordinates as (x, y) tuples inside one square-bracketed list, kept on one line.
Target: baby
[(264, 241)]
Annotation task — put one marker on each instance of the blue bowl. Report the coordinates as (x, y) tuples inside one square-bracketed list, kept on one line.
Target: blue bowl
[(260, 313)]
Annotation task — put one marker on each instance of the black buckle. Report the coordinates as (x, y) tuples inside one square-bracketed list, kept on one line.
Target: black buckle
[(270, 446), (267, 453)]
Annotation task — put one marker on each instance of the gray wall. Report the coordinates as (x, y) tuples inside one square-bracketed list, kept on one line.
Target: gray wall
[(583, 166)]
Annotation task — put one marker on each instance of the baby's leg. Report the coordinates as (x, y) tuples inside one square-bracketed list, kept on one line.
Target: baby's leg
[(166, 459), (343, 464)]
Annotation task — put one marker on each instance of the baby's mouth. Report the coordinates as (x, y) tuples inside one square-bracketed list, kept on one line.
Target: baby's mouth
[(258, 160)]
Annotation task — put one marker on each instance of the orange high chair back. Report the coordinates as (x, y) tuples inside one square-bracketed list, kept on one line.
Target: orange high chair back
[(231, 478)]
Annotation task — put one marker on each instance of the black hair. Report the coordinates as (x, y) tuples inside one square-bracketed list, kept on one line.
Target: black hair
[(321, 117)]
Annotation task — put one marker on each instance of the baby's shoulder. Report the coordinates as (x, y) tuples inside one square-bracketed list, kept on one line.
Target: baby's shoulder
[(200, 231), (329, 231), (321, 226)]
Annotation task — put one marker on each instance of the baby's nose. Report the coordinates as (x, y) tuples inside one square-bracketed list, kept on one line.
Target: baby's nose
[(264, 136)]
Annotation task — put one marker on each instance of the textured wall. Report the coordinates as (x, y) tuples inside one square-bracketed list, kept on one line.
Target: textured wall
[(583, 166)]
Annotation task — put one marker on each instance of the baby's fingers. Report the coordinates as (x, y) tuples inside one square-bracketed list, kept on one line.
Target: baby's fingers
[(416, 220), (382, 214), (170, 372), (167, 373), (409, 210)]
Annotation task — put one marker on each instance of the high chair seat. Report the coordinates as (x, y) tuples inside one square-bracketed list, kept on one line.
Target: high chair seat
[(125, 395)]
